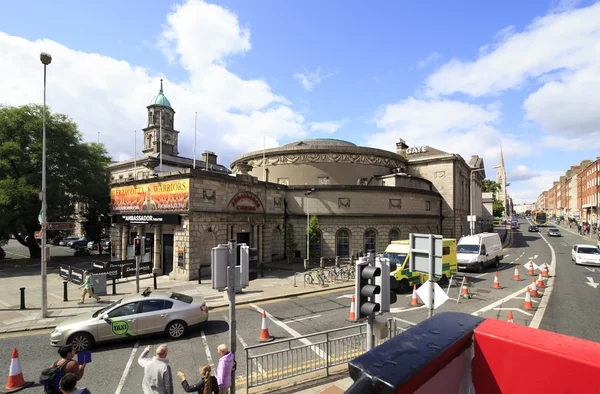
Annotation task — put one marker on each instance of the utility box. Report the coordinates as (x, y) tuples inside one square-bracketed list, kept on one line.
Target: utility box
[(244, 266), (219, 261), (381, 328), (99, 284)]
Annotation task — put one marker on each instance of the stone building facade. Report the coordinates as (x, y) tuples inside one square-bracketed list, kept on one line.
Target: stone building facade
[(363, 198)]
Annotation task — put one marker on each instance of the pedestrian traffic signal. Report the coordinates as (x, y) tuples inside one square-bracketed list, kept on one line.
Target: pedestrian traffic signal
[(366, 288), (137, 246), (387, 283)]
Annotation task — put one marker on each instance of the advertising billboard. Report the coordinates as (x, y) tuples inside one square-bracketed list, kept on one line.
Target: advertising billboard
[(151, 197)]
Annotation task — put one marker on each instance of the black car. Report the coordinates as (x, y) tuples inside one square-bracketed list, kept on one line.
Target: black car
[(534, 229)]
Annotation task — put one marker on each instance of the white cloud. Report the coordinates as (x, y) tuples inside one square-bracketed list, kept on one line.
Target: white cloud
[(591, 141), (451, 126), (327, 127), (311, 79), (521, 173), (529, 191), (432, 58), (110, 95), (553, 42)]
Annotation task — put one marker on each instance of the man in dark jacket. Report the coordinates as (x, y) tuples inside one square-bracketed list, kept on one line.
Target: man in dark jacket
[(68, 385)]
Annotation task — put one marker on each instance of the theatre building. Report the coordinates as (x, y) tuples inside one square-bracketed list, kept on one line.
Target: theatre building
[(362, 197)]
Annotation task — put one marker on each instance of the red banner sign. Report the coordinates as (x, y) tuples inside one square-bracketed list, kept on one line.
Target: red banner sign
[(245, 202)]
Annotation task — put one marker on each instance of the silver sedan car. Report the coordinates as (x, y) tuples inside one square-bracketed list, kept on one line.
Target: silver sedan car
[(158, 311)]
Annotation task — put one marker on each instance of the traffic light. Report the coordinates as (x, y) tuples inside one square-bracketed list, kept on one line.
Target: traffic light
[(219, 261), (248, 258), (147, 245), (137, 246), (388, 284), (366, 289)]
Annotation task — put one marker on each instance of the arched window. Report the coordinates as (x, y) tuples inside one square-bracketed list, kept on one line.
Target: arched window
[(394, 235), (342, 240), (370, 241)]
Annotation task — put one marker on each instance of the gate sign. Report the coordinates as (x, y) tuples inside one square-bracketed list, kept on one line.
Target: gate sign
[(246, 202)]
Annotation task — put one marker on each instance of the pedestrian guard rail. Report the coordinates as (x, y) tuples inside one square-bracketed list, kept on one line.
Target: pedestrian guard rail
[(283, 359), (455, 352), (118, 269)]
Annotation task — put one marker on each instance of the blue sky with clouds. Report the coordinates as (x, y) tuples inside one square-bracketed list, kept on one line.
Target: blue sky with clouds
[(465, 77)]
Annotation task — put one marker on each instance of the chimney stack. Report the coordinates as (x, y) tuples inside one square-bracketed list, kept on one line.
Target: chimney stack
[(401, 147), (209, 157)]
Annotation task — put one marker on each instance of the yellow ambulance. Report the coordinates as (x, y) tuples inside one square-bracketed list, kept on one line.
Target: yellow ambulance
[(398, 252)]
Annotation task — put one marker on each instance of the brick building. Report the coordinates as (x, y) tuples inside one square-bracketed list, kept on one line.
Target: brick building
[(589, 191)]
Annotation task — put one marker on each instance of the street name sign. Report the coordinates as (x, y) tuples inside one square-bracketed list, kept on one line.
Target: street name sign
[(64, 226)]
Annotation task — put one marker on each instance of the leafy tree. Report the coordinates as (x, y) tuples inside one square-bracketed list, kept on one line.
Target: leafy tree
[(76, 173), (290, 243), (314, 235), (498, 208), (490, 186)]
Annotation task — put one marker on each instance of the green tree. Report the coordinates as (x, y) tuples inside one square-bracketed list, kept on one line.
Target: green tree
[(290, 243), (314, 235), (490, 186), (76, 173), (498, 209)]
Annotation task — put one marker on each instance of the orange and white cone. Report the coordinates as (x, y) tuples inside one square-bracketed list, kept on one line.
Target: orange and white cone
[(530, 270), (264, 331), (545, 273), (534, 292), (496, 282), (527, 304), (352, 317), (16, 381), (465, 289), (510, 317), (415, 300), (516, 276), (540, 282)]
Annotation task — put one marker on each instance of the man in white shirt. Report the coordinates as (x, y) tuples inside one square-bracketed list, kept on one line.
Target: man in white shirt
[(157, 371)]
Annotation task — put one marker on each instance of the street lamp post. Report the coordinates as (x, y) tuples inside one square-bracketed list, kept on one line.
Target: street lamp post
[(306, 194), (46, 59), (472, 222)]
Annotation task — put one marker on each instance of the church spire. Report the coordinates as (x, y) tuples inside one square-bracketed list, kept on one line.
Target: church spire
[(501, 162)]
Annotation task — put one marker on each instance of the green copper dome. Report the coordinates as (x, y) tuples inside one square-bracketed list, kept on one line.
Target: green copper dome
[(161, 99)]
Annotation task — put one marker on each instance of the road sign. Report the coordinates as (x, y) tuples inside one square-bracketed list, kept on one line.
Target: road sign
[(60, 226), (419, 253), (471, 218)]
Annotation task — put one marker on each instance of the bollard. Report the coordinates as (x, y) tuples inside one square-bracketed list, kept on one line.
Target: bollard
[(65, 295), (22, 298), (155, 286), (114, 286), (199, 276), (262, 270), (322, 262), (337, 261), (305, 264)]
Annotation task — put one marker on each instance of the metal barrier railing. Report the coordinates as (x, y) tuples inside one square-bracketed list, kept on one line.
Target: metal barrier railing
[(287, 358)]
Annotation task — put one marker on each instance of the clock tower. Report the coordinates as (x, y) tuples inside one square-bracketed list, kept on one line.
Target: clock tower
[(161, 120)]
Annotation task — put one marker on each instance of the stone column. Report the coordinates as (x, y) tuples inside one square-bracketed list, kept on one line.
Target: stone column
[(254, 242), (229, 232), (261, 237), (157, 251), (124, 241)]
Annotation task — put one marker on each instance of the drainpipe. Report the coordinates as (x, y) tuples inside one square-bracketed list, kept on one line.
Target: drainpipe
[(285, 217)]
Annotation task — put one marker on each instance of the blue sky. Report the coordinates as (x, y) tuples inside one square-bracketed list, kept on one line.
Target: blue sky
[(466, 77)]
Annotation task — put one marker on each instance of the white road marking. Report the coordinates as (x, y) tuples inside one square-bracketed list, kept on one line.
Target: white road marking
[(244, 344), (127, 367), (499, 302), (539, 314), (301, 319), (396, 310), (590, 269), (533, 299), (6, 304), (292, 332), (344, 296), (506, 255), (206, 347), (480, 275), (17, 254), (412, 309), (514, 309), (591, 282), (405, 321)]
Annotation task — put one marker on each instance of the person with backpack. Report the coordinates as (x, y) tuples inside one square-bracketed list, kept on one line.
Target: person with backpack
[(207, 385), (68, 385), (51, 377)]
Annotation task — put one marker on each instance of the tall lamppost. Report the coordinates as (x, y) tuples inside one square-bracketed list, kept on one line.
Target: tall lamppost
[(306, 194), (46, 60), (472, 222)]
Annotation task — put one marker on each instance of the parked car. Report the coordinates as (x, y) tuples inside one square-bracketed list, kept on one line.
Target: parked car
[(81, 242), (534, 229), (135, 315), (585, 254), (65, 241), (2, 254), (554, 232), (92, 245), (106, 244)]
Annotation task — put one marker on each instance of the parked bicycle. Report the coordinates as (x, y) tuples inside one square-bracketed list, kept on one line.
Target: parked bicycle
[(316, 275)]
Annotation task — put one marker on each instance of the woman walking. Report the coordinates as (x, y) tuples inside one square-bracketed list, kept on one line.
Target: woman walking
[(207, 385)]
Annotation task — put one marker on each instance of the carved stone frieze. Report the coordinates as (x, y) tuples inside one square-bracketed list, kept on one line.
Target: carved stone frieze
[(302, 158), (209, 196), (343, 203), (395, 203), (278, 202)]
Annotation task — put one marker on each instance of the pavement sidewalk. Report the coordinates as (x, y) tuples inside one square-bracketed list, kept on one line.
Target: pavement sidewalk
[(589, 238), (275, 284)]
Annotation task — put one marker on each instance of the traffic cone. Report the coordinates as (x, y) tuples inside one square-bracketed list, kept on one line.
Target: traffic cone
[(465, 289), (510, 317), (352, 317), (264, 331), (527, 304), (16, 381), (415, 300), (540, 282), (530, 270), (496, 282), (516, 276), (534, 292), (545, 273)]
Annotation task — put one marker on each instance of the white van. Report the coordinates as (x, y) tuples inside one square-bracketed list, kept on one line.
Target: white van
[(479, 250)]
